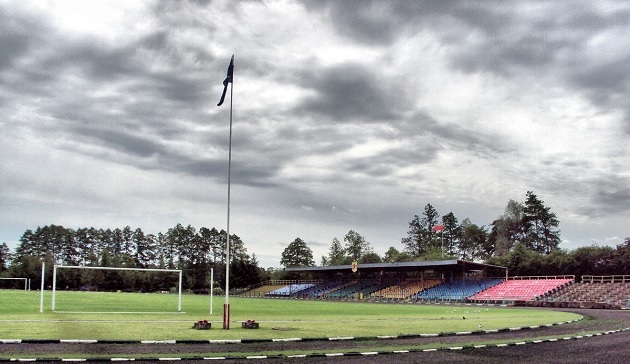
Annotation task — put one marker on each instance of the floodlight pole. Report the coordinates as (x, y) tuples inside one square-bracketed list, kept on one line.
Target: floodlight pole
[(226, 306)]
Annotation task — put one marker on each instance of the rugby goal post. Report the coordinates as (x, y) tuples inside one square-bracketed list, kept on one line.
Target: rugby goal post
[(179, 294), (19, 279)]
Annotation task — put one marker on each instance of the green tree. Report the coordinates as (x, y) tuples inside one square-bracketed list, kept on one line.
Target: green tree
[(210, 239), (370, 257), (507, 229), (474, 242), (297, 254), (452, 233), (87, 241), (392, 255), (621, 258), (356, 246), (144, 249), (592, 260), (26, 266), (413, 243), (540, 225), (420, 236), (336, 254), (5, 257), (520, 261), (244, 272)]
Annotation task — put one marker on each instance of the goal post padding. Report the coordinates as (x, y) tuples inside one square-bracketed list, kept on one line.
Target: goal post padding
[(90, 286)]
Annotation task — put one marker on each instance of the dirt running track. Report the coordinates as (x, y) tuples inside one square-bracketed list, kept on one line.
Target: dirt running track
[(613, 348)]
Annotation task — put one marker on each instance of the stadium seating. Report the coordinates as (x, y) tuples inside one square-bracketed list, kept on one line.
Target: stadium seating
[(404, 289), (520, 290), (290, 290), (320, 290), (358, 288), (617, 293), (457, 290)]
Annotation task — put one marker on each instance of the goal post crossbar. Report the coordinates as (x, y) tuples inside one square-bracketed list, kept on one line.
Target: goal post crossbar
[(119, 268), (179, 298), (20, 278)]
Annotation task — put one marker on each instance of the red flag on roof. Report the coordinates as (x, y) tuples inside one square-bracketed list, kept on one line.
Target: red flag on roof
[(437, 228)]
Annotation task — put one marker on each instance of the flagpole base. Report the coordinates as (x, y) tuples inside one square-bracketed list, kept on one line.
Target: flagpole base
[(226, 316)]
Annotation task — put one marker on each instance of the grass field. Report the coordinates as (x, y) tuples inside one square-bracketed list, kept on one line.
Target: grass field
[(279, 318)]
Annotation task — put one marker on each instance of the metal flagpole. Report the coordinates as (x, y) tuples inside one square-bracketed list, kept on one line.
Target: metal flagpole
[(226, 306)]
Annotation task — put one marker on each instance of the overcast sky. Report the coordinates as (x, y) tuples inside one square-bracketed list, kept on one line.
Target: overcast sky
[(348, 115)]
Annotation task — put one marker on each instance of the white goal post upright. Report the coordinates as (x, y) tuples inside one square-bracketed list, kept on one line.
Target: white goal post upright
[(41, 291), (179, 298)]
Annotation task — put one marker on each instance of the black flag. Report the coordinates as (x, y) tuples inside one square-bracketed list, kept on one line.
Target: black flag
[(228, 79)]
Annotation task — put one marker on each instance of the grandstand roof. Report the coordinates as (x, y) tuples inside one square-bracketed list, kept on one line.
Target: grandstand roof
[(436, 265)]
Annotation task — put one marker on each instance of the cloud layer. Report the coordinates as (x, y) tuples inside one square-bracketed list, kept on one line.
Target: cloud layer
[(347, 115)]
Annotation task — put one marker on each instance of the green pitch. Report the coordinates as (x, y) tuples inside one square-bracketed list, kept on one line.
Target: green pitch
[(279, 318)]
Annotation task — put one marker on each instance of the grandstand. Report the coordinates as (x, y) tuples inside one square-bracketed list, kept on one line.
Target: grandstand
[(448, 281), (403, 281)]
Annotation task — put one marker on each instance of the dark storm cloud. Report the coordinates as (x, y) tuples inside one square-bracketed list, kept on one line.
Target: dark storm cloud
[(614, 200), (605, 82), (120, 140), (454, 136), (385, 164), (108, 105), (572, 45), (379, 22), (610, 197), (349, 92), (15, 37), (546, 40)]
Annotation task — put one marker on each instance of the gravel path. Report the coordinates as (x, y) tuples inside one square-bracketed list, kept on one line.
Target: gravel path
[(611, 348)]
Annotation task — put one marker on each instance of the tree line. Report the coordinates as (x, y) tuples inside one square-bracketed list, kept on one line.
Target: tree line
[(525, 239), (194, 251)]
